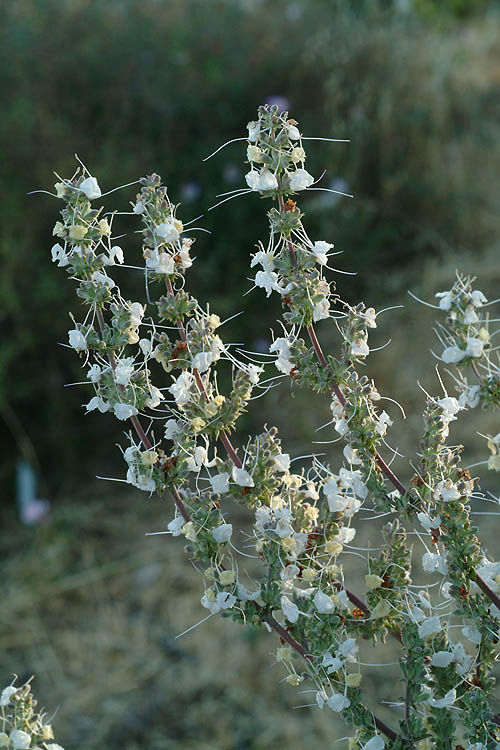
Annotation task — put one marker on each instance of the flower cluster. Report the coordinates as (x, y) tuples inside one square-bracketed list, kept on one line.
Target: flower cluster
[(157, 360), (21, 725)]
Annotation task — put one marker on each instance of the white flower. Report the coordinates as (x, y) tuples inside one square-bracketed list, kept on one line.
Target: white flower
[(94, 373), (427, 522), (138, 208), (373, 581), (242, 477), (300, 180), (243, 593), (351, 480), (282, 346), (145, 345), (253, 131), (97, 402), (370, 317), (338, 702), (20, 740), (351, 455), (91, 188), (448, 700), (54, 746), (289, 573), (220, 483), (447, 490), (469, 396), (141, 481), (290, 610), (175, 526), (283, 528), (168, 231), (470, 316), (474, 346), (416, 614), (359, 348), (429, 626), (434, 563), (101, 278), (472, 634), (77, 340), (450, 406), (383, 422), (115, 256), (323, 603), (186, 261), (198, 459), (269, 281), (349, 649), (331, 663), (252, 179), (223, 600), (222, 533), (172, 428), (297, 154), (7, 694), (320, 251), (59, 254), (136, 313), (124, 411), (254, 153), (292, 132), (478, 299), (446, 300), (321, 310), (452, 355), (321, 698), (180, 389), (281, 462), (124, 371), (376, 743), (442, 658), (345, 535), (267, 180), (201, 361), (155, 397), (266, 260), (165, 264), (254, 372)]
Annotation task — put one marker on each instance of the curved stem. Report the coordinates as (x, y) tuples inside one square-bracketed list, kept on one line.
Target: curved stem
[(299, 648)]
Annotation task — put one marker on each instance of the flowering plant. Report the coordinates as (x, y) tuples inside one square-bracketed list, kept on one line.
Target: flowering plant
[(21, 726), (179, 443)]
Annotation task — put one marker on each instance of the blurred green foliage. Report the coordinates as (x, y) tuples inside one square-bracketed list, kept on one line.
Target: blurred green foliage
[(135, 86)]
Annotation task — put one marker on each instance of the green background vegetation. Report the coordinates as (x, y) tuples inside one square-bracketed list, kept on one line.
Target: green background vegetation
[(139, 86)]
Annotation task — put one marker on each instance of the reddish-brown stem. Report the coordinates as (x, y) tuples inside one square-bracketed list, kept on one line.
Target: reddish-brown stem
[(484, 587), (230, 450), (180, 504), (286, 636)]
